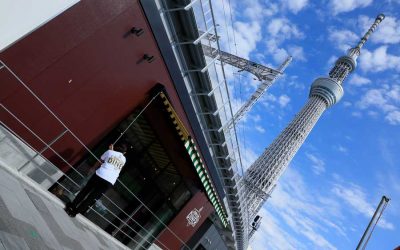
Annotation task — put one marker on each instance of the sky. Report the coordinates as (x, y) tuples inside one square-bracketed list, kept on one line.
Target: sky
[(330, 190)]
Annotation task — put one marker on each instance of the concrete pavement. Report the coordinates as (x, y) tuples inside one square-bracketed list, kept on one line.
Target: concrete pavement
[(32, 218)]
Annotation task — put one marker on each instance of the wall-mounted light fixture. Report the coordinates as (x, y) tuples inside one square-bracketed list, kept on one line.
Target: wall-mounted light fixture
[(137, 31)]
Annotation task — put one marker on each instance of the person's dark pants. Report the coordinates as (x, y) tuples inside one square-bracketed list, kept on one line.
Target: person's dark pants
[(93, 190)]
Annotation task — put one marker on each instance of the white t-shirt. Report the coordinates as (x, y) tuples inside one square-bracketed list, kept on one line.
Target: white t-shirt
[(113, 163)]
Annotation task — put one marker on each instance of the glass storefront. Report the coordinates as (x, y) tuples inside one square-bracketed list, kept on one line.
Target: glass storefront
[(149, 181)]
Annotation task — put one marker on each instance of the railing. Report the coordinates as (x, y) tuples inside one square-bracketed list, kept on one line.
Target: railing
[(142, 239)]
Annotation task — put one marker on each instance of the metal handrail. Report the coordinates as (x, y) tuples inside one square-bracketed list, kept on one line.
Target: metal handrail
[(77, 138)]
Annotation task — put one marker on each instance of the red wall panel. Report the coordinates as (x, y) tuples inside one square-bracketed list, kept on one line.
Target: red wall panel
[(179, 225), (86, 70), (49, 43)]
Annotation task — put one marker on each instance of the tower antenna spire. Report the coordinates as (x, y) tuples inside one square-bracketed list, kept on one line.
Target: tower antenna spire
[(346, 64), (378, 20), (356, 50)]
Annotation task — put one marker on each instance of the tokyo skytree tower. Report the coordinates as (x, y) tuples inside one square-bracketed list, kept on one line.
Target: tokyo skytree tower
[(262, 175)]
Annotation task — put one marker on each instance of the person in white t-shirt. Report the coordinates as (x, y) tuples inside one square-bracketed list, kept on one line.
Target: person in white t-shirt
[(106, 175)]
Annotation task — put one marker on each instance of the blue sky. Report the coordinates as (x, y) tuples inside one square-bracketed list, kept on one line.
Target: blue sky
[(330, 190)]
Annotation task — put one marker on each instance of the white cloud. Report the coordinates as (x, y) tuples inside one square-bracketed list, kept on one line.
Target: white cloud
[(247, 35), (253, 11), (318, 165), (373, 114), (248, 157), (297, 210), (294, 5), (331, 62), (256, 118), (385, 99), (356, 114), (375, 97), (270, 101), (342, 149), (387, 152), (355, 196), (293, 81), (237, 102), (283, 100), (272, 236), (358, 80), (280, 30), (394, 93), (387, 33), (270, 97), (260, 129), (379, 60), (297, 53), (342, 39), (283, 28), (306, 215), (225, 29), (279, 54), (347, 104), (339, 6), (270, 9), (393, 117)]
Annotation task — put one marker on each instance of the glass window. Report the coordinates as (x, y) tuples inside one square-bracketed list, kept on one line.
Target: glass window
[(150, 181)]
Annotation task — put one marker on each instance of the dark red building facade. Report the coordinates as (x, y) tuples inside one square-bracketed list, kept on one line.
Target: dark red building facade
[(78, 81)]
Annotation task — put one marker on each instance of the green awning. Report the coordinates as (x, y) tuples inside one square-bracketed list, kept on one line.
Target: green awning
[(196, 159)]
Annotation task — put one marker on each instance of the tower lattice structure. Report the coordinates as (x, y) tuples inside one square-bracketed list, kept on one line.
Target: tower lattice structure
[(261, 177)]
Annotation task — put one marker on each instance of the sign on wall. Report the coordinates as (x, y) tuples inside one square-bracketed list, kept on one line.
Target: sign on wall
[(186, 222), (193, 217)]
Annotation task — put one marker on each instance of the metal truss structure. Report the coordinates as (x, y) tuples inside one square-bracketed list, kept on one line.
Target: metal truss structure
[(263, 174), (266, 75), (267, 81), (262, 72)]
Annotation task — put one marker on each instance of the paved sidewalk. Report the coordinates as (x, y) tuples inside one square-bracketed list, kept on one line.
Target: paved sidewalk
[(31, 218)]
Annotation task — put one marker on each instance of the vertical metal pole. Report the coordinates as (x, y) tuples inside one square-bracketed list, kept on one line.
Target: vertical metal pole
[(360, 244)]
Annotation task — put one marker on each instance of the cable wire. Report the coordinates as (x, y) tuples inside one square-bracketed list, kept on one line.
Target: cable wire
[(134, 120)]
